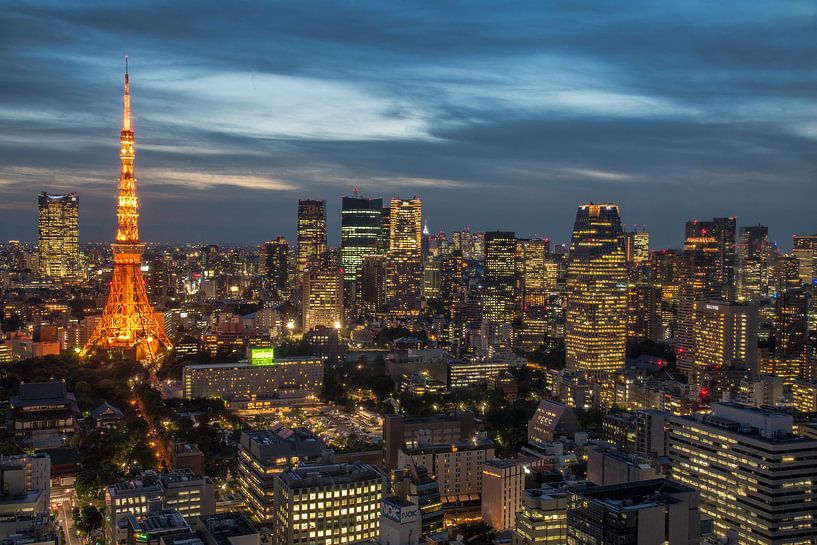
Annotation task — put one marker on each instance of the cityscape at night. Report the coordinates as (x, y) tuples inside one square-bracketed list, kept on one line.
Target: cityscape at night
[(455, 273)]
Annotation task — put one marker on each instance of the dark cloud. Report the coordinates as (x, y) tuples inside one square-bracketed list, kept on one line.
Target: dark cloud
[(500, 115)]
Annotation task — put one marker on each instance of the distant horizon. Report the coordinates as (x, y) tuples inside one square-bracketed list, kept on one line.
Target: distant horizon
[(497, 116)]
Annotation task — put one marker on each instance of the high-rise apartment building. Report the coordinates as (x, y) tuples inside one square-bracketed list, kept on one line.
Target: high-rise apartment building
[(322, 291), (361, 225), (499, 299), (753, 261), (404, 282), (754, 476), (58, 228), (327, 504), (805, 249), (311, 232), (273, 266), (596, 308)]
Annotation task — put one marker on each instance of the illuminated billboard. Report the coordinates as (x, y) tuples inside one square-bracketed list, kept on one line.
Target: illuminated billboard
[(262, 356)]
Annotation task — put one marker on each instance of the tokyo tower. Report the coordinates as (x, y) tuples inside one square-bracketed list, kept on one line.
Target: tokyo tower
[(128, 322)]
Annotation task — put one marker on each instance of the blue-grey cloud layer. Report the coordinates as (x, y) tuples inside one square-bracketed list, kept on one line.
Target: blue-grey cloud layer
[(500, 115)]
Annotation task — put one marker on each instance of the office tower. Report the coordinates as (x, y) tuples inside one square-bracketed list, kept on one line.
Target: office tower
[(698, 280), (373, 284), (536, 273), (805, 249), (791, 333), (361, 225), (58, 228), (725, 335), (385, 230), (754, 476), (405, 276), (725, 231), (128, 321), (643, 311), (499, 299), (753, 260), (417, 486), (785, 273), (311, 232), (263, 454), (637, 246), (327, 504), (322, 303), (651, 426), (503, 484), (452, 283), (596, 307), (658, 511), (273, 266)]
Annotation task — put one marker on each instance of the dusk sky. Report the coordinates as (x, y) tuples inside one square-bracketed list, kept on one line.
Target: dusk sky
[(500, 115)]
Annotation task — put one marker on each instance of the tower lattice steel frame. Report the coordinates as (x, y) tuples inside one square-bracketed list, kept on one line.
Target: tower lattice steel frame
[(128, 321)]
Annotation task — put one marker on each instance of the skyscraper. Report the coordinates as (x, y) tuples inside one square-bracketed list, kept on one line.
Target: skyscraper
[(128, 321), (322, 293), (596, 308), (373, 284), (405, 261), (699, 274), (273, 265), (311, 232), (499, 300), (791, 333), (361, 225), (725, 335), (58, 228), (805, 248), (753, 259), (725, 229), (637, 246)]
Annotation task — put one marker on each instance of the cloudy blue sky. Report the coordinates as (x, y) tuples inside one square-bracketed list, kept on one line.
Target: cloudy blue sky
[(498, 114)]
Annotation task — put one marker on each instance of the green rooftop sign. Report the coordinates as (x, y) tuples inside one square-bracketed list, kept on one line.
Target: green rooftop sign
[(262, 356)]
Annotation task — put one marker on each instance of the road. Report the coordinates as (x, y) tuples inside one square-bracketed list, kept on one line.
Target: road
[(67, 522)]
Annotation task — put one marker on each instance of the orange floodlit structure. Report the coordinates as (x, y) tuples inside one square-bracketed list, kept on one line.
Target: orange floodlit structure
[(128, 322)]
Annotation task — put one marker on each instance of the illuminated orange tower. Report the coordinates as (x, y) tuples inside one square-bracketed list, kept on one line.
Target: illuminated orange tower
[(128, 322)]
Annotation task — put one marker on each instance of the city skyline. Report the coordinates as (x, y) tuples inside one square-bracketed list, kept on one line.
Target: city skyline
[(357, 96)]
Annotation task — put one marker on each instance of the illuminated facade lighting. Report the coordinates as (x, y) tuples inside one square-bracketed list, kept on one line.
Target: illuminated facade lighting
[(311, 232), (128, 321), (58, 228), (405, 260), (596, 308)]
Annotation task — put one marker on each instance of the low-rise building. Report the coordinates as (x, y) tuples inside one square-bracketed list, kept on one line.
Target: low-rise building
[(43, 415)]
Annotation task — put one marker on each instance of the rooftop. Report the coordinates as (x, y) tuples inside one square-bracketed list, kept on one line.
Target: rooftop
[(329, 475)]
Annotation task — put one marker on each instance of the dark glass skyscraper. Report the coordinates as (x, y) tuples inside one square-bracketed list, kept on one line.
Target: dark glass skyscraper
[(361, 233), (753, 259), (273, 265)]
